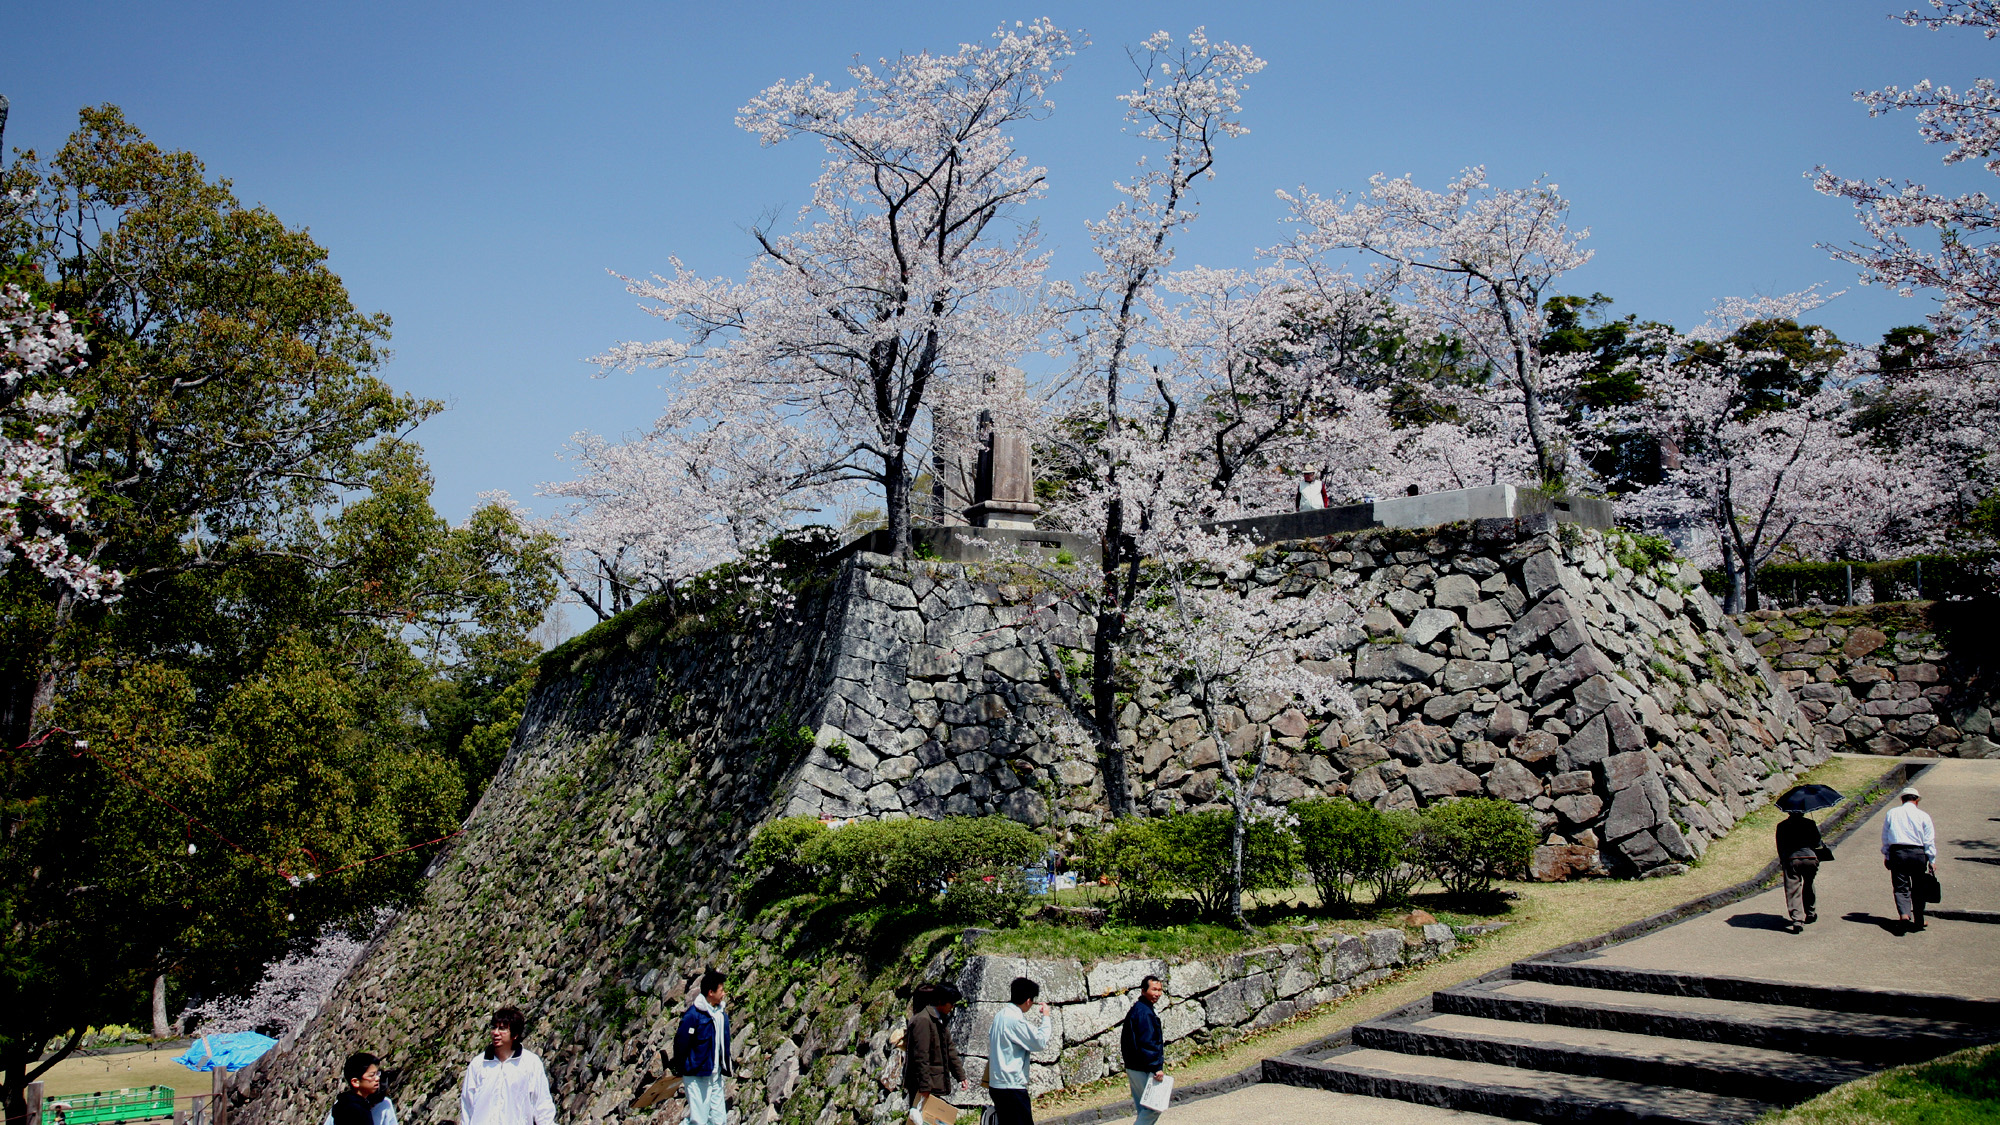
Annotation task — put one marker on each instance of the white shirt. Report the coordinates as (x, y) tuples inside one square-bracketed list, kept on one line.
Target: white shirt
[(514, 1092), (381, 1113), (1908, 824), (1009, 1044), (1312, 495)]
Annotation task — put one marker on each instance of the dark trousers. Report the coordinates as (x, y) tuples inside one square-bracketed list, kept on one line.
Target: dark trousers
[(1012, 1107), (1800, 871), (1906, 862)]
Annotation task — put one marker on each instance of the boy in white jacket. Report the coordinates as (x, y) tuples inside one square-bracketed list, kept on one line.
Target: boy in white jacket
[(507, 1084)]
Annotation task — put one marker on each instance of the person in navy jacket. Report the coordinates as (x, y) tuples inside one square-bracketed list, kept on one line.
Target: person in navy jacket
[(1144, 1046), (701, 1050)]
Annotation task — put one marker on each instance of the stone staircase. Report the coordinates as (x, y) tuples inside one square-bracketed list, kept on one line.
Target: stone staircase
[(1566, 1041)]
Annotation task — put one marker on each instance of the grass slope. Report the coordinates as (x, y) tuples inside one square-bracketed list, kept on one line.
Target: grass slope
[(1958, 1089)]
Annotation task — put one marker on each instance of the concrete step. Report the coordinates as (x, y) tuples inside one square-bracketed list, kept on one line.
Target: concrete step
[(1833, 998), (1508, 1091), (1731, 1069), (1880, 1039)]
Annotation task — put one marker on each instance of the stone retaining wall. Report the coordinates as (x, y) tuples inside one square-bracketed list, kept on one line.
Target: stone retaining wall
[(1207, 1002), (1615, 703), (1883, 679)]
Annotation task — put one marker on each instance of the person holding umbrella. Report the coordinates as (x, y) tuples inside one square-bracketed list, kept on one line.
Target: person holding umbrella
[(1799, 850)]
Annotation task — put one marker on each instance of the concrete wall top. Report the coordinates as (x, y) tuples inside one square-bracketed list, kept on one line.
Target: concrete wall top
[(1499, 501)]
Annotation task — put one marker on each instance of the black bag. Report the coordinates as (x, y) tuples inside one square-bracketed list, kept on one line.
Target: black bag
[(1926, 887), (1824, 853)]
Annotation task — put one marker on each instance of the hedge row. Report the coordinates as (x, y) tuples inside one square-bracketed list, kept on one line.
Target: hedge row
[(1339, 844), (972, 863), (1935, 577)]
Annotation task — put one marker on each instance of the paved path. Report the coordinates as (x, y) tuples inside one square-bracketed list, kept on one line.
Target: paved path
[(1852, 945), (1255, 1105), (1853, 942)]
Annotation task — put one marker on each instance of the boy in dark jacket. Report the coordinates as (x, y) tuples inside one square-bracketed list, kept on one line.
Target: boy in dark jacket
[(701, 1052), (930, 1061), (1144, 1046), (363, 1075)]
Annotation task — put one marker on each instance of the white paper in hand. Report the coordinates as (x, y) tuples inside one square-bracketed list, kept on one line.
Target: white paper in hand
[(1158, 1093)]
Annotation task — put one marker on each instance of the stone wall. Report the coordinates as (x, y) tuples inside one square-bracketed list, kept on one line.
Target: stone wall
[(1618, 706), (1207, 1002), (1884, 678)]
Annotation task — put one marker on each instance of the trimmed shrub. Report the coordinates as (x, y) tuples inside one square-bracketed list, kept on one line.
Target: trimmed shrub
[(776, 866), (1467, 843), (1344, 844), (993, 897), (1187, 854), (898, 862)]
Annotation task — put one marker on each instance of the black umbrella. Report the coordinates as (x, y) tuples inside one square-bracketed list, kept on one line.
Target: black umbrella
[(1809, 798)]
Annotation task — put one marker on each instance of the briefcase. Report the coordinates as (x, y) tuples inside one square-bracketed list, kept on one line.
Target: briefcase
[(658, 1092), (1927, 888)]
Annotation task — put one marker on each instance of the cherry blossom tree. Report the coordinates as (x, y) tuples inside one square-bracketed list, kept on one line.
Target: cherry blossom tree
[(903, 282), (292, 990), (1753, 473), (1187, 102), (1477, 263), (1232, 638), (1923, 240), (38, 501), (645, 515)]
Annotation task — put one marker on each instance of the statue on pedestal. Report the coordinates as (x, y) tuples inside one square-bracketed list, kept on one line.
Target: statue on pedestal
[(985, 470)]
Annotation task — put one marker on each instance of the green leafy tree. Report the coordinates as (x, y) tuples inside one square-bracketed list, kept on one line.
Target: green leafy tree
[(307, 668)]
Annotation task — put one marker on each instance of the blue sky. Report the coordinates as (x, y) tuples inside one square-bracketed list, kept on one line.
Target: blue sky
[(476, 169)]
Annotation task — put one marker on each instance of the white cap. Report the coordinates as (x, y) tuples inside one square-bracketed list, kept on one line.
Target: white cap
[(1908, 792)]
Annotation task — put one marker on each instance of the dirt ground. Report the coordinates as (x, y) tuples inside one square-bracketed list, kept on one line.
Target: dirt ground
[(118, 1072)]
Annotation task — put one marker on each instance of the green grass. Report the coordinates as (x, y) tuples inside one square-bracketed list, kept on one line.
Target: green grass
[(1958, 1089), (1275, 918)]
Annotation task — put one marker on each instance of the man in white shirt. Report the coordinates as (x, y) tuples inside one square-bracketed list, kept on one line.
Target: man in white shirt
[(1009, 1045), (1312, 492), (506, 1085), (1909, 850)]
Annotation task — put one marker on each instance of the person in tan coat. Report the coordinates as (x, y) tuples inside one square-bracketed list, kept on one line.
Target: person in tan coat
[(931, 1065)]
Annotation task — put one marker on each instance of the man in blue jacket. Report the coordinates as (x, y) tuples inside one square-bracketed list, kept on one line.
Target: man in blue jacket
[(1144, 1047), (701, 1050)]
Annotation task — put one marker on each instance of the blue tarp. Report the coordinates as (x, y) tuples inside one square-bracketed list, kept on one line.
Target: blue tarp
[(233, 1051)]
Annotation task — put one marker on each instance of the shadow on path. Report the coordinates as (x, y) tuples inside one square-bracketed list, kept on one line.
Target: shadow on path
[(1891, 925), (1760, 921)]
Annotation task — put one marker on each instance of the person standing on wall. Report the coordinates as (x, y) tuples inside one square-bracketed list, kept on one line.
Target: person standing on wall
[(362, 1102), (701, 1053), (1010, 1046), (1312, 492), (930, 1062), (506, 1085), (1144, 1046), (1909, 851), (1798, 857)]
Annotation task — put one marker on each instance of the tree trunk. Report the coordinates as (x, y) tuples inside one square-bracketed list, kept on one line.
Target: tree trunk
[(1104, 709), (1236, 826), (161, 1028), (896, 505), (1733, 602)]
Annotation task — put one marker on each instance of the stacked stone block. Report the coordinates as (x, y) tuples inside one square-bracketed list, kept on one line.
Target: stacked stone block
[(1880, 679), (1207, 1002), (1617, 706)]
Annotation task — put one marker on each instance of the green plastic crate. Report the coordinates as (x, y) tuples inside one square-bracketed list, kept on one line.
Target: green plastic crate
[(109, 1105)]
